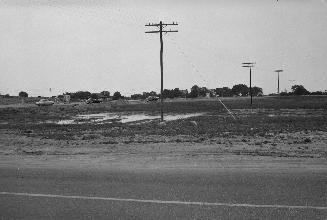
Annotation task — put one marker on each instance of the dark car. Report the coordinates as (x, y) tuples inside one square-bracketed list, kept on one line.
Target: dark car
[(152, 99)]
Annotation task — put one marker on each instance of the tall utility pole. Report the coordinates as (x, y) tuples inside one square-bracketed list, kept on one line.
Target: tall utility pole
[(249, 65), (278, 71), (160, 31)]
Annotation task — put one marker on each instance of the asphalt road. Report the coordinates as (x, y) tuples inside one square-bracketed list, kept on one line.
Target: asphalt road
[(161, 194)]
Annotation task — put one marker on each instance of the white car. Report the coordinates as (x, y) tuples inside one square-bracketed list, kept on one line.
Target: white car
[(90, 101), (44, 102)]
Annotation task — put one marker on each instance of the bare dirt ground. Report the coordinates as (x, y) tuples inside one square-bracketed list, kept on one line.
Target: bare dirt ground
[(276, 128), (297, 144)]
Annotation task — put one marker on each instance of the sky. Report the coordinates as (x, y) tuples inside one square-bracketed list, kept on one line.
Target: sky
[(100, 45)]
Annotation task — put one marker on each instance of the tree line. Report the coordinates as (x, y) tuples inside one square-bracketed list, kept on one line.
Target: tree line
[(300, 90), (195, 91), (83, 95)]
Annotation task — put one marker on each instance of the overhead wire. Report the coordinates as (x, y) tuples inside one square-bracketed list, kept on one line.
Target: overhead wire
[(196, 71), (199, 74)]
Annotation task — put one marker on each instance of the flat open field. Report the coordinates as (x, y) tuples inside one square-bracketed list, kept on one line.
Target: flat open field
[(277, 127)]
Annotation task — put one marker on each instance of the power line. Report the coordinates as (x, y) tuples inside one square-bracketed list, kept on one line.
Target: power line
[(187, 58), (161, 25)]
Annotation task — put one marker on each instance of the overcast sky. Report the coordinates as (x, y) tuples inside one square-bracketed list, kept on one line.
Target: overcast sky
[(101, 45)]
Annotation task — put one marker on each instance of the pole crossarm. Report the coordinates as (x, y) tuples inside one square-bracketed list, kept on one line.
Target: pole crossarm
[(151, 32), (152, 25), (249, 64), (157, 25), (169, 31)]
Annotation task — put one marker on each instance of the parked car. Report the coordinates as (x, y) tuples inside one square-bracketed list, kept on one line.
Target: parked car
[(152, 99), (44, 102), (90, 101)]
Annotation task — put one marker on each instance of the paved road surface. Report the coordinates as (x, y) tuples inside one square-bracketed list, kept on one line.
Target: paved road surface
[(90, 193)]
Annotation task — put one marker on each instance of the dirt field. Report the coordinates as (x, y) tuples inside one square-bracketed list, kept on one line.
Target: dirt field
[(293, 127)]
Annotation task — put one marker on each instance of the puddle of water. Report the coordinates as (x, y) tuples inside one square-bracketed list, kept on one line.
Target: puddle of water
[(138, 117), (64, 122), (177, 117), (110, 117)]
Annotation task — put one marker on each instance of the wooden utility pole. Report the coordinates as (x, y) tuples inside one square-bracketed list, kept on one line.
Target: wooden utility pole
[(160, 31), (249, 65), (278, 71)]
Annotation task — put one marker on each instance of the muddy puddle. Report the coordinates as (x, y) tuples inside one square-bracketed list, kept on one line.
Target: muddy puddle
[(103, 118)]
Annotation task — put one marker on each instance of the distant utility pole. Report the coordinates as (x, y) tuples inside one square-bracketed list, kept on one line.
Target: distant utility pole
[(249, 65), (161, 26), (278, 71)]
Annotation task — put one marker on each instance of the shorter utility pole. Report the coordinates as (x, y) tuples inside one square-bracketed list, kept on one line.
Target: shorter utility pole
[(278, 71), (249, 65), (160, 31)]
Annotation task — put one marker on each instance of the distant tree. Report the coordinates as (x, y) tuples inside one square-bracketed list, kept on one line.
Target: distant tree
[(23, 94), (173, 93), (227, 91), (317, 93), (145, 95), (256, 91), (116, 96), (136, 96), (152, 93), (299, 90), (79, 95), (166, 93), (240, 89), (105, 94), (195, 91), (284, 93), (203, 91), (94, 96), (184, 93), (219, 92), (224, 92), (7, 95), (177, 93)]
